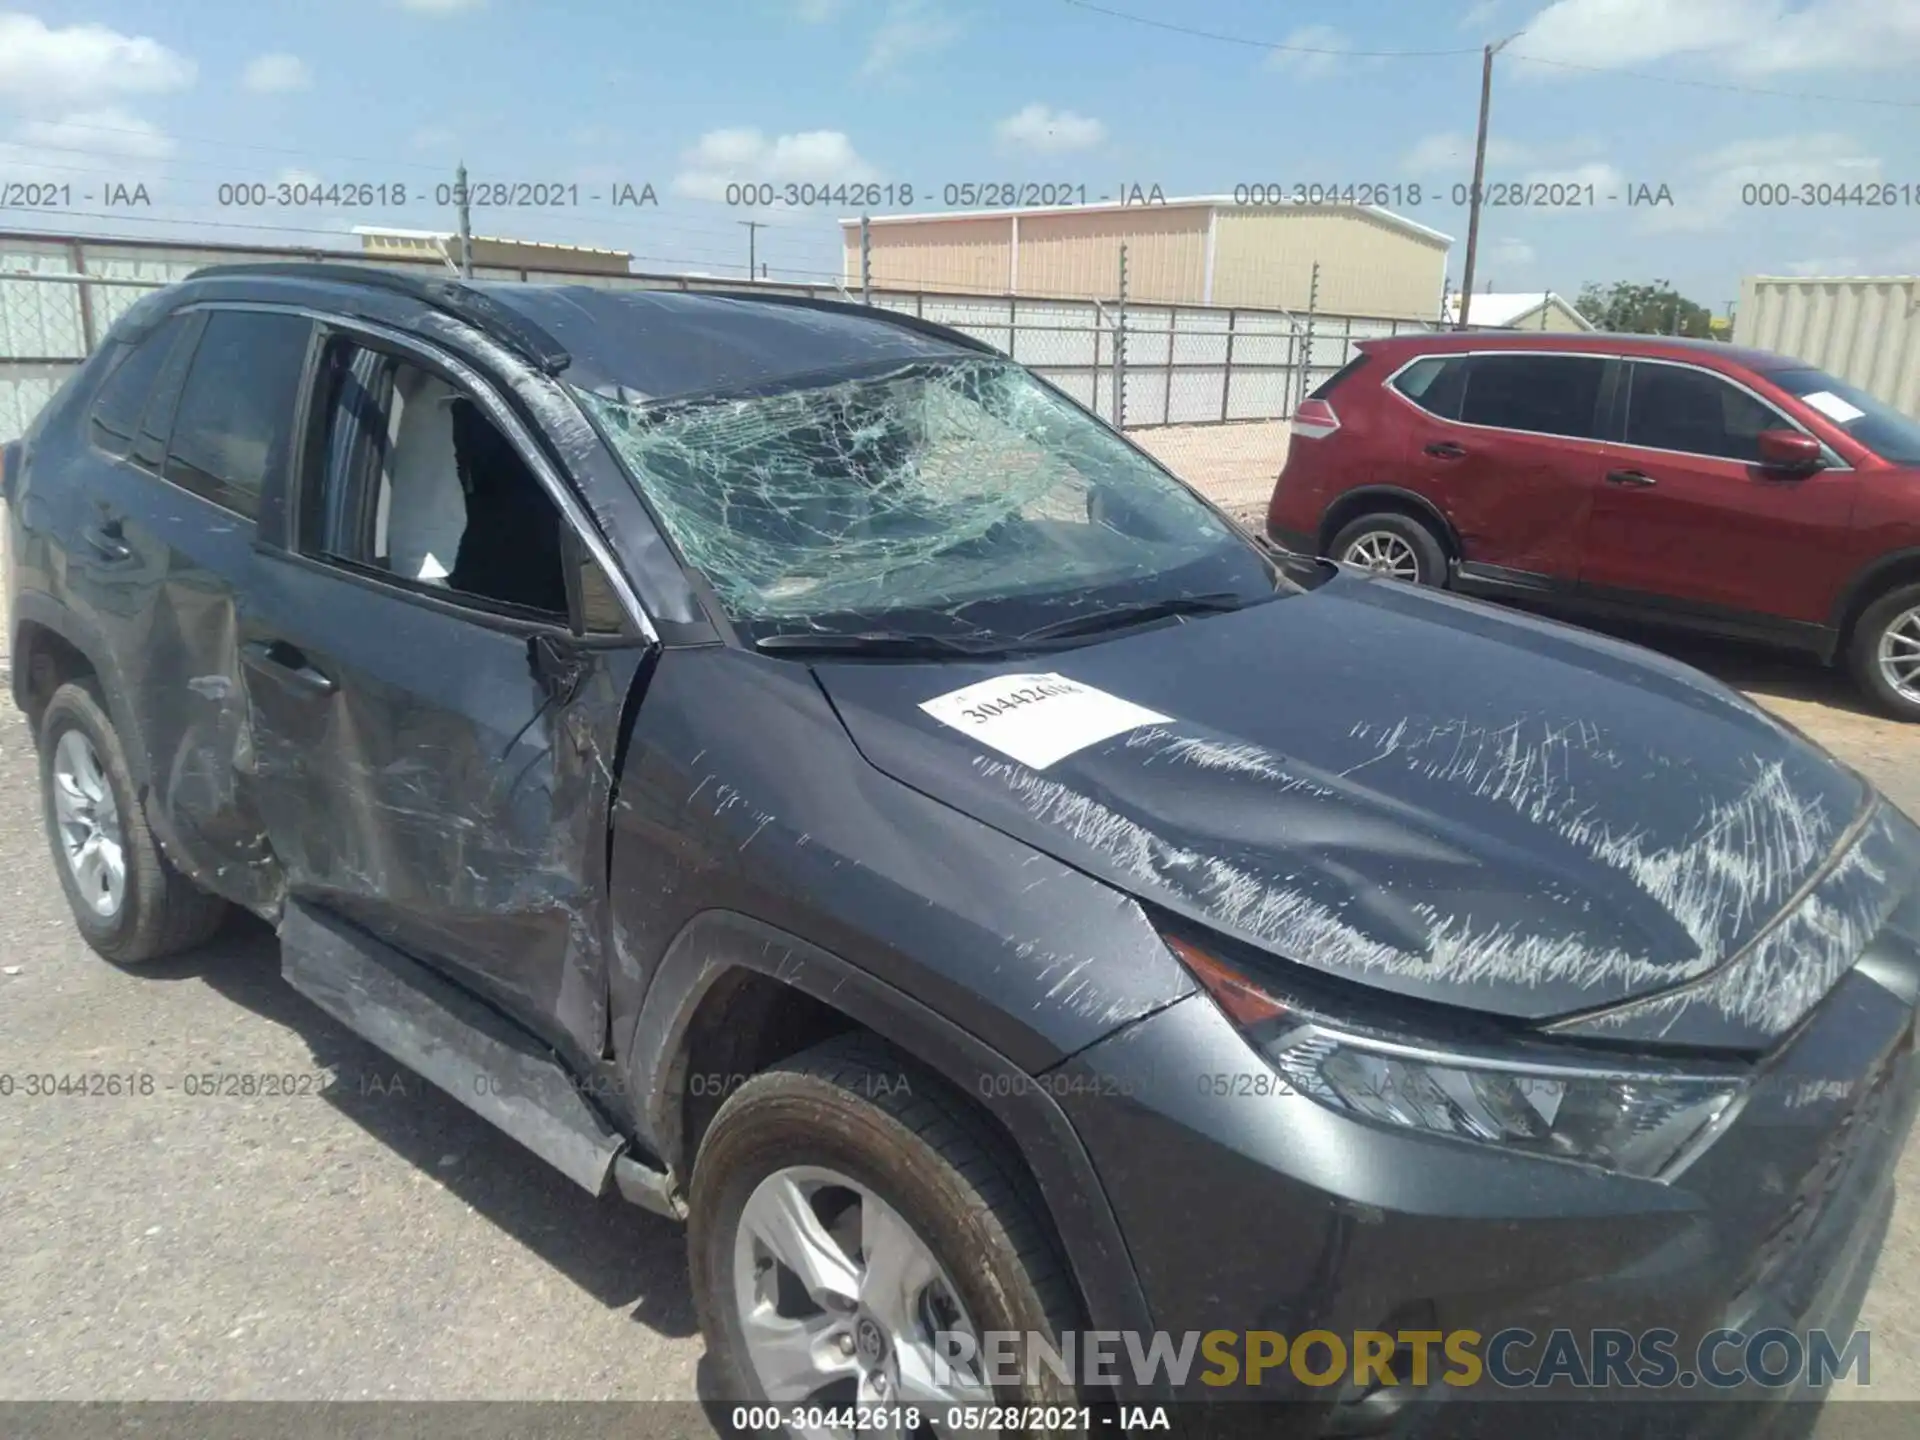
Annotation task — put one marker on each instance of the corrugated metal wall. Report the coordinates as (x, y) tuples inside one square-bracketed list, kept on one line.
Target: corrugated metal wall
[(1184, 364), (1078, 253), (1865, 329), (1368, 266)]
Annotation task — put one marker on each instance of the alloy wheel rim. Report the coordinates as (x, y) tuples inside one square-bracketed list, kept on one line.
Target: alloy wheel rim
[(1899, 655), (1384, 553), (839, 1300), (88, 818)]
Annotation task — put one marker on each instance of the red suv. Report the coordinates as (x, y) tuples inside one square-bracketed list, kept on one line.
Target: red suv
[(1686, 482)]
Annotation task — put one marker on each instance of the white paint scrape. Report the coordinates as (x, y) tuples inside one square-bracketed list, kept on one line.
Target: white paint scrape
[(1037, 719)]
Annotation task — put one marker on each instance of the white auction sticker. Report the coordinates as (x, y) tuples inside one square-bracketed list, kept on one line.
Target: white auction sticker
[(1833, 407), (1038, 719)]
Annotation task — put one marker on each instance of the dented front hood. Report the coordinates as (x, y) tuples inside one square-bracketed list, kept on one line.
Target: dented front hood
[(1420, 793)]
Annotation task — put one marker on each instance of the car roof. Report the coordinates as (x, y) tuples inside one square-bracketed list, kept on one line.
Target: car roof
[(1598, 342), (643, 344)]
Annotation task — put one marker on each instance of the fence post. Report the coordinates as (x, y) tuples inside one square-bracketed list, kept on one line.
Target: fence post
[(866, 262), (77, 262), (1306, 343), (1166, 399), (1226, 371), (1120, 348)]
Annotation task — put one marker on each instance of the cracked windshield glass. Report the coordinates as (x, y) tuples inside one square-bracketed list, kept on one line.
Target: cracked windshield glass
[(964, 497)]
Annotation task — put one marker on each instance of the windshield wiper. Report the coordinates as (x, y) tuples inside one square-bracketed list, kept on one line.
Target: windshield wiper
[(873, 642), (1141, 611)]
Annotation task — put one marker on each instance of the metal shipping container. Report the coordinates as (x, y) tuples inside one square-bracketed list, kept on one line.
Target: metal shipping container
[(1864, 329)]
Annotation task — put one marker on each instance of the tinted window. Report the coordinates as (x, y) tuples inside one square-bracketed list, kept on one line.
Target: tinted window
[(1671, 407), (1545, 394), (1435, 384), (123, 395), (1339, 377), (234, 426), (1866, 418)]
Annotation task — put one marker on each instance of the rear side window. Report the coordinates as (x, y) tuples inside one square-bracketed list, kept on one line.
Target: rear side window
[(123, 395), (1671, 407), (234, 425), (1540, 394), (1435, 384)]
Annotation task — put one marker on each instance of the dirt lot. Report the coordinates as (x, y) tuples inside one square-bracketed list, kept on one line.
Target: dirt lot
[(367, 1238), (1235, 465)]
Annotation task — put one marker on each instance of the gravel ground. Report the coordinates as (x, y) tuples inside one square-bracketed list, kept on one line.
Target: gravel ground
[(376, 1241)]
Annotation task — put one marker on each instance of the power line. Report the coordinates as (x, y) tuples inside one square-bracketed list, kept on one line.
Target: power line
[(1475, 50), (1713, 84), (1268, 44)]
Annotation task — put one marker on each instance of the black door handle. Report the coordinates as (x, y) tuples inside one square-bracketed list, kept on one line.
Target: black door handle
[(1637, 478), (106, 541), (1446, 450), (287, 663)]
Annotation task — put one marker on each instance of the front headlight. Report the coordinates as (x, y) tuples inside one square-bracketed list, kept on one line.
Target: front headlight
[(1632, 1121), (1635, 1120)]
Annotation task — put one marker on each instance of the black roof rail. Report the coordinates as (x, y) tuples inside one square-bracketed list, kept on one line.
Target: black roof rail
[(931, 328), (453, 297)]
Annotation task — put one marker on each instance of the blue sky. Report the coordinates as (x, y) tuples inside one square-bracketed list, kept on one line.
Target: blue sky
[(185, 95)]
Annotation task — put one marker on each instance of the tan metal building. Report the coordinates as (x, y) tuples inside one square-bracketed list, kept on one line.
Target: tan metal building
[(384, 243), (1203, 250), (1863, 328)]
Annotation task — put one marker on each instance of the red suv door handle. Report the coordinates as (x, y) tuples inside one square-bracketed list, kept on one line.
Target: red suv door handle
[(1638, 478), (1446, 450)]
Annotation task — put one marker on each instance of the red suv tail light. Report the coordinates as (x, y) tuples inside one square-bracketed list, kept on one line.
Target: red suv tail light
[(1315, 420)]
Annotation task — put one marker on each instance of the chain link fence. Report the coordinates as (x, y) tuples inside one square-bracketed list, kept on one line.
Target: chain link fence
[(1206, 389)]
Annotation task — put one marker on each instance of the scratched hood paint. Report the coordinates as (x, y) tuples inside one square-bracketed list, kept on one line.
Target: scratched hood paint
[(1424, 794)]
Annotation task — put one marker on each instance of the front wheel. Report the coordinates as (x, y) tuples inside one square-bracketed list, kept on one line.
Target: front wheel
[(1885, 652), (1394, 545), (856, 1238)]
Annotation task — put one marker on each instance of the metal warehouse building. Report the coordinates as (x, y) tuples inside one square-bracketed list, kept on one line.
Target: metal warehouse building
[(1199, 251)]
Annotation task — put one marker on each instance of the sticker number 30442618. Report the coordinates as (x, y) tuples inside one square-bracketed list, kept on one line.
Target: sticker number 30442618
[(1038, 719)]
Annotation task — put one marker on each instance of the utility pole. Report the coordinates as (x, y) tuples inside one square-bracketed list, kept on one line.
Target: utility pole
[(1479, 172), (866, 261), (466, 221), (754, 227)]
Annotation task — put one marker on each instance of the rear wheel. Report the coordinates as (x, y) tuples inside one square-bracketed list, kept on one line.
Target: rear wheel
[(1885, 652), (128, 901), (1394, 545), (853, 1227)]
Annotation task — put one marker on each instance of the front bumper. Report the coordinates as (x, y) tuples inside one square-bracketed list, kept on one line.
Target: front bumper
[(1269, 1212)]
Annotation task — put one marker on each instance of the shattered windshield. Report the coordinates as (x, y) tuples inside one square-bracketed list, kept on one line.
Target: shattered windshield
[(962, 496)]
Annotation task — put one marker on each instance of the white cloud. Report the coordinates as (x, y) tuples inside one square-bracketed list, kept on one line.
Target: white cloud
[(270, 74), (1478, 15), (1049, 132), (817, 12), (1747, 37), (1712, 197), (297, 178), (1607, 183), (1451, 153), (440, 7), (120, 147), (431, 138), (48, 71), (911, 28), (1510, 251), (1313, 53), (724, 157)]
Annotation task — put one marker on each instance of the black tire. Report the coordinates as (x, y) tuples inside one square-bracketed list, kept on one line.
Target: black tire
[(853, 1105), (1429, 555), (1863, 649), (161, 912)]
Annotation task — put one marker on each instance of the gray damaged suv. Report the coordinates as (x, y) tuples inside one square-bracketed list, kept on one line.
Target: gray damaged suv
[(787, 765)]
